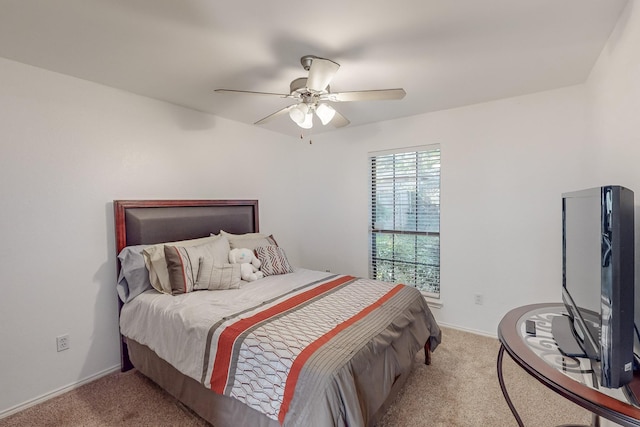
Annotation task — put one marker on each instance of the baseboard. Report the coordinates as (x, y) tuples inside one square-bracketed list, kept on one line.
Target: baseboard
[(58, 392), (473, 331)]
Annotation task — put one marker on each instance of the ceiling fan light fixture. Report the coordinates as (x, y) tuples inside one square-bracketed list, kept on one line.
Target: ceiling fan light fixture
[(325, 113), (313, 95)]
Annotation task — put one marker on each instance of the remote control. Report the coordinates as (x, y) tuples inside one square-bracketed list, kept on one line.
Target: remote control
[(530, 327)]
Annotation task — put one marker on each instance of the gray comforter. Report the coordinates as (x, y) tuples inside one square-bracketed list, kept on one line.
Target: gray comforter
[(326, 354)]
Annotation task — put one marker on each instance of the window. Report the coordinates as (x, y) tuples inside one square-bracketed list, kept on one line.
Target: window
[(405, 217)]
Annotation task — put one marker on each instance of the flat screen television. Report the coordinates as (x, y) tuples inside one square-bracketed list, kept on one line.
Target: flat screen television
[(598, 287)]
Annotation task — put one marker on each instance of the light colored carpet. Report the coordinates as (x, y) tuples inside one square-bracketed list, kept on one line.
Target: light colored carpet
[(459, 389)]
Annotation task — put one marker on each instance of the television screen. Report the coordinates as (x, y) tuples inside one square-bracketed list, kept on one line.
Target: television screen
[(582, 278)]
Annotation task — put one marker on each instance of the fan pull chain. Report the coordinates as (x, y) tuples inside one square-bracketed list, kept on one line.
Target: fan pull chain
[(302, 137)]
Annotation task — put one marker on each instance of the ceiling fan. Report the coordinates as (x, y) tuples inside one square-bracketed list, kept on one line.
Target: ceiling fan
[(314, 95)]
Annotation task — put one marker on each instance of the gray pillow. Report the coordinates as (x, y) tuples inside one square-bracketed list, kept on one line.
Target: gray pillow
[(134, 276)]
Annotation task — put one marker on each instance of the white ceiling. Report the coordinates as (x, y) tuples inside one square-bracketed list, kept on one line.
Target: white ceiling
[(444, 53)]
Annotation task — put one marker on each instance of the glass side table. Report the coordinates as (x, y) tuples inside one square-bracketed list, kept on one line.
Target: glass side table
[(571, 377)]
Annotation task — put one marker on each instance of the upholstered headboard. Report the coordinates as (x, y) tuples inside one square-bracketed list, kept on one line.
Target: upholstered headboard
[(156, 221)]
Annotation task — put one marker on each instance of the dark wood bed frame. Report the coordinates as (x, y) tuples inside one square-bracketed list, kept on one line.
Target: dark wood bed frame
[(149, 222), (156, 221)]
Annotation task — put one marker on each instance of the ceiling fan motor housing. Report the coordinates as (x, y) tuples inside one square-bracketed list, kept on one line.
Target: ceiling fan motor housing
[(298, 88), (299, 85)]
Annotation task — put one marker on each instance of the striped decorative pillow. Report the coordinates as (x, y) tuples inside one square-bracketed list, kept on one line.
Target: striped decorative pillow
[(274, 260), (217, 277), (183, 270)]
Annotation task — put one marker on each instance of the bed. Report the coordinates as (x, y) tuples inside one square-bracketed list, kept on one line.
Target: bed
[(246, 354)]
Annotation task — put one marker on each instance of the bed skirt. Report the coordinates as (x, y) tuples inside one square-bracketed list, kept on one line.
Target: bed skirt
[(223, 411)]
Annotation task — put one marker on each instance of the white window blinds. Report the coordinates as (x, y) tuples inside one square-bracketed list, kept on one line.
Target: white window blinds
[(405, 218)]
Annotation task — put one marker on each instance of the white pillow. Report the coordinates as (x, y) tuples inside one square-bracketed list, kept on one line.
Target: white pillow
[(248, 240)]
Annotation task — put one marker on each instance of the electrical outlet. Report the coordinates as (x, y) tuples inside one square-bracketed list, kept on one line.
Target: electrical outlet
[(63, 342), (478, 298)]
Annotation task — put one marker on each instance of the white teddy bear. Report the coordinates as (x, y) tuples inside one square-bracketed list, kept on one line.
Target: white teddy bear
[(249, 264)]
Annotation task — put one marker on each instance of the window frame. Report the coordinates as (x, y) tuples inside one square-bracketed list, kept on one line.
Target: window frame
[(373, 231)]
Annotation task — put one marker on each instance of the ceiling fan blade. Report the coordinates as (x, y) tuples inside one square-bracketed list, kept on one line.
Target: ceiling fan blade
[(248, 92), (339, 120), (320, 74), (278, 113), (366, 95)]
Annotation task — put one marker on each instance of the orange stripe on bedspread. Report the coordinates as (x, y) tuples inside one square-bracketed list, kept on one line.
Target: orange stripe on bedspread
[(301, 359), (232, 332)]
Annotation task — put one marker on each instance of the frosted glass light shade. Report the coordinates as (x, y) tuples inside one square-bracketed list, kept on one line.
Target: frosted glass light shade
[(298, 113), (325, 113), (308, 121)]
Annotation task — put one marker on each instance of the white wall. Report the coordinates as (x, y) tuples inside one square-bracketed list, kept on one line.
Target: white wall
[(614, 94), (69, 148)]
